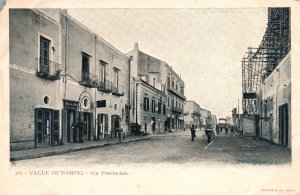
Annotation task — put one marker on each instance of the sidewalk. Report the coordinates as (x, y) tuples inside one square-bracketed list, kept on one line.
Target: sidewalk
[(69, 147)]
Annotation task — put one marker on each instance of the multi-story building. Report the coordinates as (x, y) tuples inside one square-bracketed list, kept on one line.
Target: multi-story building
[(205, 117), (61, 73), (160, 75), (148, 99), (150, 108), (191, 114)]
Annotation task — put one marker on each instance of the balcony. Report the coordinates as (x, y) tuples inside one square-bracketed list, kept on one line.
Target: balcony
[(105, 86), (88, 80), (117, 92), (48, 69), (196, 113), (176, 109), (175, 92)]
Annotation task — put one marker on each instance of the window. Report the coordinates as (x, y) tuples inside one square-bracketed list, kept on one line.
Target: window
[(153, 106), (85, 67), (153, 82), (164, 109), (159, 108), (46, 99), (44, 54), (146, 104), (163, 89), (172, 83), (102, 73), (168, 82), (116, 78)]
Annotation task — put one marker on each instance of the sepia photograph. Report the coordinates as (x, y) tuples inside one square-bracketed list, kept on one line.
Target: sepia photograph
[(122, 95)]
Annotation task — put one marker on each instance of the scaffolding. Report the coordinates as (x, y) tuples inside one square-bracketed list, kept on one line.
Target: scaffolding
[(259, 63)]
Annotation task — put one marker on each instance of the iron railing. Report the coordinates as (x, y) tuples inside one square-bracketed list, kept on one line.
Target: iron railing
[(176, 109), (176, 92), (48, 69), (105, 86), (88, 79), (116, 91)]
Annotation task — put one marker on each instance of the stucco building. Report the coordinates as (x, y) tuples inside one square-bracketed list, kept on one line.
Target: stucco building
[(205, 117), (161, 76), (191, 114), (274, 105), (61, 73)]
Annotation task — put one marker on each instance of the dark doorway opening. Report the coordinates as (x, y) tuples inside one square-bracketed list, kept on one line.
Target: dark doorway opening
[(283, 125), (46, 127)]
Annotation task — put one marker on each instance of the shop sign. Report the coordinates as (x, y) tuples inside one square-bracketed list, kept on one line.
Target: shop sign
[(70, 105)]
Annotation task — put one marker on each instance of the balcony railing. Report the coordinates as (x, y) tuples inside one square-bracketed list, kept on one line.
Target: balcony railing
[(176, 109), (88, 79), (176, 92), (117, 92), (48, 69), (105, 86)]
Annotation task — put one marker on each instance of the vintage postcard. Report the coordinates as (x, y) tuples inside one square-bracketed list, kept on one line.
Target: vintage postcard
[(146, 97)]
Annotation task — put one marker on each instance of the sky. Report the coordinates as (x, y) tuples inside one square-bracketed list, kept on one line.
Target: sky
[(204, 46)]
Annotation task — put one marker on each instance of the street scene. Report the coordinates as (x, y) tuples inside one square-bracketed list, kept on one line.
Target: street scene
[(174, 148), (86, 92)]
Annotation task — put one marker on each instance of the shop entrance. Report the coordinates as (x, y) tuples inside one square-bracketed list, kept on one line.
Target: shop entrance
[(87, 129), (46, 127), (102, 128)]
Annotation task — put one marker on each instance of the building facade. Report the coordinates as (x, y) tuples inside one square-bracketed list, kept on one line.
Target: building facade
[(150, 108), (191, 114), (160, 75), (274, 105), (62, 74), (205, 117)]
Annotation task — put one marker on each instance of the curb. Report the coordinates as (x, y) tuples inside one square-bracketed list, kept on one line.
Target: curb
[(80, 148)]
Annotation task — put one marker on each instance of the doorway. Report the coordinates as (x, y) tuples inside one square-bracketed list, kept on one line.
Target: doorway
[(46, 127), (71, 119), (115, 123), (87, 129), (102, 129), (283, 125)]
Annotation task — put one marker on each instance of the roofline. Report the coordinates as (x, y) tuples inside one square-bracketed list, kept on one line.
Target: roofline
[(148, 85), (93, 33), (165, 63)]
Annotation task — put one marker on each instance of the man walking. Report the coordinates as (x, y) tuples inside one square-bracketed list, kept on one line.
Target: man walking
[(193, 132)]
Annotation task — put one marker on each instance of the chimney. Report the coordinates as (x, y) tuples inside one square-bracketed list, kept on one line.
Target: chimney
[(136, 46)]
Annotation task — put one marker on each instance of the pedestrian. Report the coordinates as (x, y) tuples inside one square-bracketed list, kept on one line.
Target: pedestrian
[(193, 132)]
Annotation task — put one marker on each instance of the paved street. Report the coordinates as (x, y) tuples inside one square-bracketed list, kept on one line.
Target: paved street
[(174, 148)]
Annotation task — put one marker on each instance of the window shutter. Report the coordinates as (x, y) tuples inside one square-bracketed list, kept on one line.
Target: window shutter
[(38, 127), (55, 128)]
